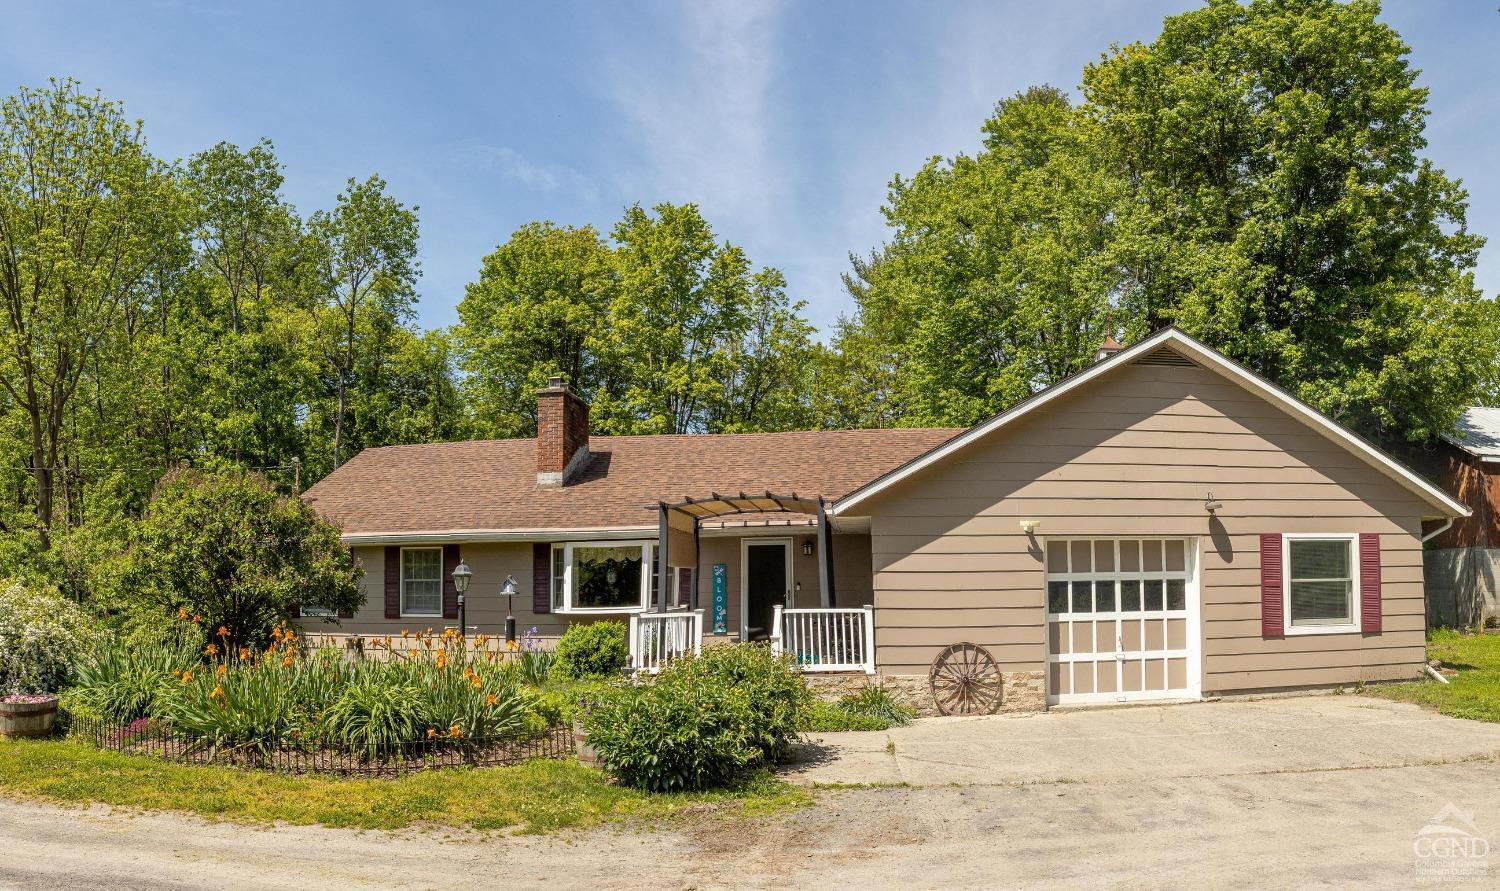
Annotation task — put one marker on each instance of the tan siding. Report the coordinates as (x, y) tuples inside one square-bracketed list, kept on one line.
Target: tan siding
[(1136, 454), (852, 578)]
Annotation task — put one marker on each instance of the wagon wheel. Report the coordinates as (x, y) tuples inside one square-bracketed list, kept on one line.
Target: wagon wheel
[(966, 681)]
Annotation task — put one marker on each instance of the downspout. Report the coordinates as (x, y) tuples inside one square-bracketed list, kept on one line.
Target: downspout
[(1447, 524)]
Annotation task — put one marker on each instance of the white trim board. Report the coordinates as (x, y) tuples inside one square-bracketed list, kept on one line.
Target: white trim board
[(1209, 358)]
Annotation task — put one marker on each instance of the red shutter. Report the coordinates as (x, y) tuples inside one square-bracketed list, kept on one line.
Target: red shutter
[(392, 582), (541, 577), (1272, 613), (685, 586), (450, 591), (1369, 582)]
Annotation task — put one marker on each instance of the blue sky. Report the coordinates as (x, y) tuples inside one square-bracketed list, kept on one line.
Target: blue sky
[(783, 121)]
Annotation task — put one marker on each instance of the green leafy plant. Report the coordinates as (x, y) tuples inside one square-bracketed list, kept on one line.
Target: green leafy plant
[(374, 717), (120, 681), (877, 702), (702, 722), (831, 717), (593, 649)]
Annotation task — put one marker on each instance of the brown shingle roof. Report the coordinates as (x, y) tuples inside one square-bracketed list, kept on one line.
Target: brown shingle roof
[(491, 485)]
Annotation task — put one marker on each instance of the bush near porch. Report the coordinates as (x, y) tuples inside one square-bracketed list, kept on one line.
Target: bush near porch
[(1472, 691)]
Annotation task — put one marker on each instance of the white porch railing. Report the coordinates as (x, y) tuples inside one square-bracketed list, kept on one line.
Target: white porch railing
[(657, 638), (826, 639)]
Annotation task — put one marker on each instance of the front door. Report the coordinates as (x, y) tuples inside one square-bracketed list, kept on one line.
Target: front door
[(766, 585), (1120, 620)]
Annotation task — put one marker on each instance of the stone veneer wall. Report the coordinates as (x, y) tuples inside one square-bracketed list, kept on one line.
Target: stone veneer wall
[(1024, 691)]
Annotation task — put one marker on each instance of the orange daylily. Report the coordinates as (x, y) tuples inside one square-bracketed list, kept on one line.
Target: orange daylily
[(221, 670), (182, 613), (431, 733), (218, 691), (223, 632), (211, 650), (491, 699), (455, 731)]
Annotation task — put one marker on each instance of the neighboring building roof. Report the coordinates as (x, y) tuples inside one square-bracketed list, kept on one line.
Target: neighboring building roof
[(488, 490), (1208, 357), (1478, 433)]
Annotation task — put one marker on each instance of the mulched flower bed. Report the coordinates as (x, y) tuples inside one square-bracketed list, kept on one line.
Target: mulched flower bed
[(156, 739)]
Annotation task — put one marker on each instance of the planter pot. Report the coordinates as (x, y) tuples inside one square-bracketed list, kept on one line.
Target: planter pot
[(586, 753), (28, 718)]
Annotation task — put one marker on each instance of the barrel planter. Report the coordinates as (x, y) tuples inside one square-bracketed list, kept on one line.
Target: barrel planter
[(27, 715), (586, 753)]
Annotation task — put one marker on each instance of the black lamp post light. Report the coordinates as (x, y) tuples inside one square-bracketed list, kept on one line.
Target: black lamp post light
[(508, 591), (461, 576)]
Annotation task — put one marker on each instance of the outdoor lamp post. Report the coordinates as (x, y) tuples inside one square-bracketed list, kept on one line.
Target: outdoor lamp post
[(461, 575), (508, 588)]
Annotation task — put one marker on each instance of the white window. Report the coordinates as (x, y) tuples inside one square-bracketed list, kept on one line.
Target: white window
[(601, 576), (422, 582), (1322, 583)]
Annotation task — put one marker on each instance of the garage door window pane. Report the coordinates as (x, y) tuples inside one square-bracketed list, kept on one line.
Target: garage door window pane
[(1130, 596), (1153, 594), (1057, 597), (1104, 597), (1176, 594), (1082, 595), (1130, 556), (1321, 581), (1151, 555), (1057, 556), (1104, 556), (1081, 562), (1175, 560)]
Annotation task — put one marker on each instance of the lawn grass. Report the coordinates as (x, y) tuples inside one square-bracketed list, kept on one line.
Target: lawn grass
[(1474, 692), (538, 796)]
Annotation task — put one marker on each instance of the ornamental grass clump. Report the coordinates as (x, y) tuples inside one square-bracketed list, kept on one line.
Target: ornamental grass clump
[(703, 722)]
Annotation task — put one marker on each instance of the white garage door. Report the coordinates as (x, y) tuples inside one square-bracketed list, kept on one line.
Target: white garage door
[(1122, 620)]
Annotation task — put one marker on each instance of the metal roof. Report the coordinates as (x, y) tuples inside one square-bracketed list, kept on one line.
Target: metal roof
[(1478, 432)]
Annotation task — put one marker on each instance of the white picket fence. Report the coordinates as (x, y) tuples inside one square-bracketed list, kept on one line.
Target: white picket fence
[(658, 638), (826, 639)]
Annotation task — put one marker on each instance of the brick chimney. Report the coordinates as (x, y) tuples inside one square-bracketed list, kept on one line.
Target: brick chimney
[(562, 434), (1108, 348)]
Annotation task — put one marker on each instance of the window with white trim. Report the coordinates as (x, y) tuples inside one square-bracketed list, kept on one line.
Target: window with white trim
[(601, 576), (422, 582), (1322, 578)]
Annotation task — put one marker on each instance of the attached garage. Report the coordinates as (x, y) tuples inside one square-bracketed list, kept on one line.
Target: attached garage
[(1165, 525)]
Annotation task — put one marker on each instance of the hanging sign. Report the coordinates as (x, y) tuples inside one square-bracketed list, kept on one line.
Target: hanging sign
[(721, 599)]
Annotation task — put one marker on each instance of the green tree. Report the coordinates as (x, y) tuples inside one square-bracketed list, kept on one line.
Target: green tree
[(231, 549), (85, 213), (363, 268), (1279, 207), (996, 281), (536, 310)]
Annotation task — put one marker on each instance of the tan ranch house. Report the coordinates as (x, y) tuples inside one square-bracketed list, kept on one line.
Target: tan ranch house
[(1163, 525)]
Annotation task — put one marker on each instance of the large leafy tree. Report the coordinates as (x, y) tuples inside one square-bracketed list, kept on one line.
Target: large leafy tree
[(996, 281), (362, 272), (663, 328), (536, 310), (233, 550), (1280, 207), (87, 215), (1254, 175)]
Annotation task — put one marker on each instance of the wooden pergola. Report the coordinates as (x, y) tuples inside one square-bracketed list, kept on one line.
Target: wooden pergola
[(687, 516)]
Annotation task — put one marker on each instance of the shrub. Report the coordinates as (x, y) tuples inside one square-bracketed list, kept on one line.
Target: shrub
[(43, 638), (702, 722), (594, 649)]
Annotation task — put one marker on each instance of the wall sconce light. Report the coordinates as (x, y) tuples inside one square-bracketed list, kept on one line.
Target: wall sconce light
[(1210, 504), (807, 548), (1030, 526)]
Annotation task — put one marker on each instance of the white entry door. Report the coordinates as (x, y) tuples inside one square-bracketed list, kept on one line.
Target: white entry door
[(1122, 620)]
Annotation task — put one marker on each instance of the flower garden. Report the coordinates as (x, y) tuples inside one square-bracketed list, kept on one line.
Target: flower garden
[(195, 695)]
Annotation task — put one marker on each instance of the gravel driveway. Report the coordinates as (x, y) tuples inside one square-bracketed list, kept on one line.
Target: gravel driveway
[(1313, 790)]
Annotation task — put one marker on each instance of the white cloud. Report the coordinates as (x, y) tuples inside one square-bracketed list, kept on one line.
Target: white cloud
[(703, 118), (513, 165)]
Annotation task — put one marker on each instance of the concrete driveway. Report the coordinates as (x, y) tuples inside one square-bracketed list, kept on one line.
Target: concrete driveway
[(1209, 739)]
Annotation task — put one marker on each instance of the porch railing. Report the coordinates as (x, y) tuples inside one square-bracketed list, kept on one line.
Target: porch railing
[(658, 638), (826, 639)]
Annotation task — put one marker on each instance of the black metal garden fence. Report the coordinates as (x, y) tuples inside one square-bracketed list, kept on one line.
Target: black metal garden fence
[(158, 739)]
